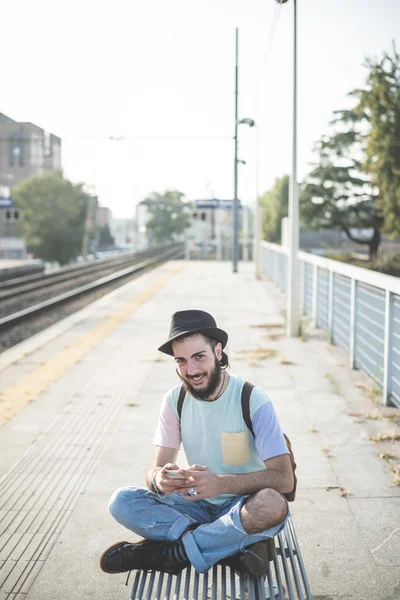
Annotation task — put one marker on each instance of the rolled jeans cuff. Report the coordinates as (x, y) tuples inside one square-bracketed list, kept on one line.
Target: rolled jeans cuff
[(177, 528), (194, 554)]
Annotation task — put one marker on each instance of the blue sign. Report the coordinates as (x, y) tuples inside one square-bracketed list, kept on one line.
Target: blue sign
[(215, 203), (6, 202)]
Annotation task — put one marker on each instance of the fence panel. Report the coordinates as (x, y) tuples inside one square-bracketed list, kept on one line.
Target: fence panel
[(370, 330), (308, 289), (341, 311), (323, 299), (266, 262), (274, 264), (394, 354), (349, 301)]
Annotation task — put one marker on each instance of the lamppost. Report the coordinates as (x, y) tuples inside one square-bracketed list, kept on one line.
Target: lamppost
[(238, 122), (292, 306)]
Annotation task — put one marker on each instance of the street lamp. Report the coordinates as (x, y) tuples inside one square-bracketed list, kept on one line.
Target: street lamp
[(250, 123), (292, 306)]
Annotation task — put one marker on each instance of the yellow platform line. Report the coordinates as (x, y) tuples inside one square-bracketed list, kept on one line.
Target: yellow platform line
[(31, 385)]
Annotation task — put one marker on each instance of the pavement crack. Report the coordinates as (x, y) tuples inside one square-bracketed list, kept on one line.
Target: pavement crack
[(386, 540)]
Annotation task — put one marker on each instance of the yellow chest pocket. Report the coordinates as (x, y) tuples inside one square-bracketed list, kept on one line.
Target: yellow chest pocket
[(235, 448)]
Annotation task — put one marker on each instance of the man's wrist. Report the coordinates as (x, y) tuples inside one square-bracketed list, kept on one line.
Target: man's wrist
[(153, 483), (225, 483)]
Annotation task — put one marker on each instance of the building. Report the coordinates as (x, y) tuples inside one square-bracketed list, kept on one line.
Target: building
[(124, 232), (25, 150), (103, 216), (211, 229)]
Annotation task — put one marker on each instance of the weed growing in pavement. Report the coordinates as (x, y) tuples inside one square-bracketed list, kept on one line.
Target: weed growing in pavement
[(377, 415), (370, 391), (253, 357), (274, 336), (302, 330), (333, 382), (341, 489), (327, 452), (396, 477), (268, 326), (374, 416), (389, 457), (286, 361), (392, 436)]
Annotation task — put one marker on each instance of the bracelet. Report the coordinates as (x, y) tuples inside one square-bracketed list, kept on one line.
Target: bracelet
[(153, 484)]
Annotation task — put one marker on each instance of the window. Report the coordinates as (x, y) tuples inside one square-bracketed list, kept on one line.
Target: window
[(16, 156)]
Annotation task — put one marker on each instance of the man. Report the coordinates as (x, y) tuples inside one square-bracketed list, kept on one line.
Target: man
[(230, 500)]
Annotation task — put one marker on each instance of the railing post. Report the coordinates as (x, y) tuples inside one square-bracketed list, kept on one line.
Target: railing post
[(387, 371), (315, 294), (352, 323), (330, 306)]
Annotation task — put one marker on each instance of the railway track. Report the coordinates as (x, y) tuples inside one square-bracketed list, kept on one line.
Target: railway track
[(30, 304)]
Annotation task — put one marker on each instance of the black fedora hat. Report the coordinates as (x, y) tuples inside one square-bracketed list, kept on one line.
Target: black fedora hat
[(185, 322)]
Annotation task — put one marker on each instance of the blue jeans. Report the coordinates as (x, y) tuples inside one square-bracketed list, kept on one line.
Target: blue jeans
[(165, 518)]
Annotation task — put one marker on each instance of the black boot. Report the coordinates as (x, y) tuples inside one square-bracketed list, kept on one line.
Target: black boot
[(146, 555), (254, 561)]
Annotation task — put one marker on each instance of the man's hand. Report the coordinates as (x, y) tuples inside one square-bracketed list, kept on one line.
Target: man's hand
[(205, 482), (170, 486)]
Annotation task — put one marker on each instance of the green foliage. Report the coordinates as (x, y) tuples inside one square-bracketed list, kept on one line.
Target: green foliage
[(275, 207), (53, 212), (337, 194), (388, 265), (168, 215), (379, 106), (356, 183)]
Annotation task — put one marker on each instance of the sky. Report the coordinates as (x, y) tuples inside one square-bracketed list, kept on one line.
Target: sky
[(142, 93)]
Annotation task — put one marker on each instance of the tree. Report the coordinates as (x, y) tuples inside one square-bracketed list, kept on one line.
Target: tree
[(168, 216), (366, 188), (275, 207), (53, 214), (337, 194), (379, 108)]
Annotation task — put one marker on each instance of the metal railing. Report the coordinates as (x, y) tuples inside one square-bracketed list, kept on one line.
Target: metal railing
[(359, 308)]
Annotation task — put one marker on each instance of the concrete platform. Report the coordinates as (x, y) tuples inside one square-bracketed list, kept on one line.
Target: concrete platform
[(79, 405)]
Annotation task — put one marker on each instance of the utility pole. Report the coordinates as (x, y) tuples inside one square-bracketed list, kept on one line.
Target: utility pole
[(292, 281), (89, 222), (258, 212), (235, 186)]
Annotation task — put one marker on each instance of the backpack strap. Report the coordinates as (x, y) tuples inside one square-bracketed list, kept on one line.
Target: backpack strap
[(182, 394), (246, 392)]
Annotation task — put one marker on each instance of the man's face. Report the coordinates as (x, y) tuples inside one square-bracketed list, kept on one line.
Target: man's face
[(197, 364)]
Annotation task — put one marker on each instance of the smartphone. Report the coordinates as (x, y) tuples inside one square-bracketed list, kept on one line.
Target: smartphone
[(173, 474)]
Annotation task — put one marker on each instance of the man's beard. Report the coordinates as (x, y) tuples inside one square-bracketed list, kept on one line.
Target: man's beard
[(210, 389)]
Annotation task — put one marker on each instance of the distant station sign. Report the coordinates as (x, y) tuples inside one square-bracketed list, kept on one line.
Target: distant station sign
[(215, 203), (6, 202)]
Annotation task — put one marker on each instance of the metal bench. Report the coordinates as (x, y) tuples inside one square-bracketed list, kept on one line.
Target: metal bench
[(286, 578)]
